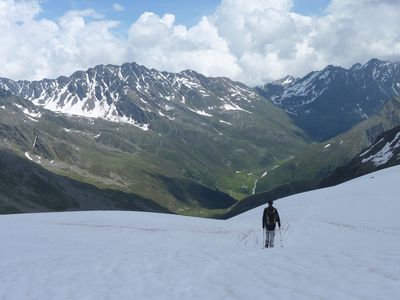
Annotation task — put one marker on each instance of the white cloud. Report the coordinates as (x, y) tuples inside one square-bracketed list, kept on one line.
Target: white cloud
[(159, 43), (248, 40), (35, 48), (118, 7)]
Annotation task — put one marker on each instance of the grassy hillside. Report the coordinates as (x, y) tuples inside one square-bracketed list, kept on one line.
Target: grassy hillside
[(27, 187), (189, 166)]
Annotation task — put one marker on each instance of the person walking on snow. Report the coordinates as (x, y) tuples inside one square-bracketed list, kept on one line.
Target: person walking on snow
[(269, 220)]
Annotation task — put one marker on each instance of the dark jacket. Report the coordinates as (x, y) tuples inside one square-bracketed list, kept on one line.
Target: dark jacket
[(270, 218)]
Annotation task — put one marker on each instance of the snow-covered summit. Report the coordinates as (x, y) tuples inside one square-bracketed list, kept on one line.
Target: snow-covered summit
[(339, 243), (285, 81), (313, 85)]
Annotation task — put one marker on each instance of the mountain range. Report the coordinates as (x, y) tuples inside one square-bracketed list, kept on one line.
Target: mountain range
[(177, 139), (129, 137), (329, 102), (135, 95)]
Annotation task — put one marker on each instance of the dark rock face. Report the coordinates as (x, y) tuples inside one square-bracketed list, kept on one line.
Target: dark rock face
[(383, 153)]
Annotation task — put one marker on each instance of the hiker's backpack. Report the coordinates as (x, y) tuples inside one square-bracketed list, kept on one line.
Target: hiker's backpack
[(270, 216)]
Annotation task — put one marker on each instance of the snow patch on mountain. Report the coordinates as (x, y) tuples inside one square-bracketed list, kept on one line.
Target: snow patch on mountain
[(386, 153), (32, 119), (285, 81), (289, 80), (229, 107), (225, 122), (27, 155), (371, 147), (31, 114), (200, 112)]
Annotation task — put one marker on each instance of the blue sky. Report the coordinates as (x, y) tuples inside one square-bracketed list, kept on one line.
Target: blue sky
[(311, 7), (187, 12)]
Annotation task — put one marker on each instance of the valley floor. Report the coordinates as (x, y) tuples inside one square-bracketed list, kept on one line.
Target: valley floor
[(339, 243)]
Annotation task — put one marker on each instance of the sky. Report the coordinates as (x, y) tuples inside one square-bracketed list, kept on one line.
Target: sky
[(187, 12), (253, 41)]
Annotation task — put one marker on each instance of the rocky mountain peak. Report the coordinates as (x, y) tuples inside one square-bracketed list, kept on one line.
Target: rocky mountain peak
[(134, 94), (329, 102)]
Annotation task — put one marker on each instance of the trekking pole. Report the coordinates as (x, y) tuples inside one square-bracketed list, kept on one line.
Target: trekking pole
[(263, 245), (280, 235)]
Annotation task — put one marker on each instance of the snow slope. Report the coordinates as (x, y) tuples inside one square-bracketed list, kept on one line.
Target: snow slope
[(339, 243)]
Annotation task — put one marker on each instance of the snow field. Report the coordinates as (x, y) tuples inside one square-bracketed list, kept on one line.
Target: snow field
[(339, 243)]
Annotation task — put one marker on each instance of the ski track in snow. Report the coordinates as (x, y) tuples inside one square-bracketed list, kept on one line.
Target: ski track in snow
[(339, 243)]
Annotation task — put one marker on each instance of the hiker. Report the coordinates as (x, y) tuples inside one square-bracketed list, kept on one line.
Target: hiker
[(269, 220)]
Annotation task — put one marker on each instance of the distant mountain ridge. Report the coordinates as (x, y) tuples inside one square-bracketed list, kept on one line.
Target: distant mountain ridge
[(136, 95), (329, 102)]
